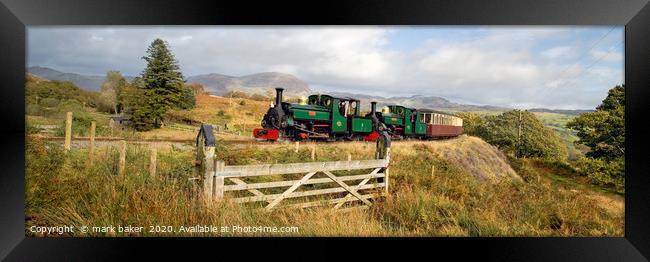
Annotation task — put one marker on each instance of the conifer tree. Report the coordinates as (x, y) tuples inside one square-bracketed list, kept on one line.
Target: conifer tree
[(162, 83)]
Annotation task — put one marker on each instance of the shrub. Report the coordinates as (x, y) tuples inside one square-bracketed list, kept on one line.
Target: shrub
[(608, 173), (49, 102)]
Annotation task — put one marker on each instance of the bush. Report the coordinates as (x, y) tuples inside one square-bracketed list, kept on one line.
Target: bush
[(502, 131), (603, 172), (49, 102), (33, 110)]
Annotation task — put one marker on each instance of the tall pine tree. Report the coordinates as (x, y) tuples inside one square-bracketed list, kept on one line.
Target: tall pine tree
[(162, 84)]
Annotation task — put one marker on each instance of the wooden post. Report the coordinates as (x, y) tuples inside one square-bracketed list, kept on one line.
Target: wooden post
[(387, 157), (68, 131), (152, 162), (208, 177), (218, 181), (313, 152), (122, 163), (349, 158), (297, 146), (91, 146), (433, 171)]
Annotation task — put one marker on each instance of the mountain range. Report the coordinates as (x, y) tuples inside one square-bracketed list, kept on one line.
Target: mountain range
[(260, 83), (264, 83)]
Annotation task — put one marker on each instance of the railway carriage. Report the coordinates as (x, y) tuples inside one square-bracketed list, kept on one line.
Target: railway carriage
[(403, 122)]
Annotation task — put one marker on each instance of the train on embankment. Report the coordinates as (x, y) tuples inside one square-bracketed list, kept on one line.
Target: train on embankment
[(329, 118)]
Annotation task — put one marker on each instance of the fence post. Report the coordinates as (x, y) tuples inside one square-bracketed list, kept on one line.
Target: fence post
[(218, 181), (152, 162), (383, 152), (68, 131), (433, 171), (313, 152), (297, 146), (122, 163), (387, 157), (349, 159), (208, 176), (91, 147)]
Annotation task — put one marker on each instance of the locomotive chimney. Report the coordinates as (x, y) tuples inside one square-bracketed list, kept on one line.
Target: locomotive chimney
[(373, 107), (278, 96)]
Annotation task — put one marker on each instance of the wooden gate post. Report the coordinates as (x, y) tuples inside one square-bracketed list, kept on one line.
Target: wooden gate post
[(91, 147), (297, 146), (208, 177), (383, 152), (68, 131), (218, 181)]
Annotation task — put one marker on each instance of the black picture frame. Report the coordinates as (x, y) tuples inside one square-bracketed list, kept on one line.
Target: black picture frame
[(15, 15)]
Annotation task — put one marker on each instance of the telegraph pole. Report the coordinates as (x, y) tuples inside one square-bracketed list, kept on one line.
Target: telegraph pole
[(519, 136)]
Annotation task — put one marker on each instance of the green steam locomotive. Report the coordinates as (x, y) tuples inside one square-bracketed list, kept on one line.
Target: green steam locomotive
[(329, 118)]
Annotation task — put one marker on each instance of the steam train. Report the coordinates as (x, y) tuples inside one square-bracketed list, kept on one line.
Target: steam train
[(329, 118)]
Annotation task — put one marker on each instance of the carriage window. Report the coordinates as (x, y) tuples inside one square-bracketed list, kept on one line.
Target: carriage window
[(423, 118), (427, 118)]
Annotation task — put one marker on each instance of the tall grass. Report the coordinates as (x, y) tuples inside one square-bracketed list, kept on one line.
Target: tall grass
[(62, 189)]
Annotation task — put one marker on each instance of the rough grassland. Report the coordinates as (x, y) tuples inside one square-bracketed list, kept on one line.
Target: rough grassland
[(62, 189)]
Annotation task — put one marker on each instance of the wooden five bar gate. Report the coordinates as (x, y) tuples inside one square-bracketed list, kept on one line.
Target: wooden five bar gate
[(219, 178)]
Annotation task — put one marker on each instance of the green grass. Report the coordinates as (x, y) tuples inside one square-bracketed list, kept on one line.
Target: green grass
[(63, 189)]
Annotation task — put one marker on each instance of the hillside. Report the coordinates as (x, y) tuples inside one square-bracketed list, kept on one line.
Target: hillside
[(261, 83), (88, 82), (561, 111), (456, 187), (450, 201)]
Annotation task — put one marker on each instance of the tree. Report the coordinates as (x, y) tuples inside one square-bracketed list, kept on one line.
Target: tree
[(187, 99), (162, 83), (136, 105), (603, 131), (502, 131), (111, 91)]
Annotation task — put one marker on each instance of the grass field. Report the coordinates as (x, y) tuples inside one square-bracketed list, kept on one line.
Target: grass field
[(454, 201)]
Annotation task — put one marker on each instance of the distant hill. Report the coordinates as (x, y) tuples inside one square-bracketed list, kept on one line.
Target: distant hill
[(88, 82), (264, 83), (561, 111), (418, 101), (34, 78), (261, 83)]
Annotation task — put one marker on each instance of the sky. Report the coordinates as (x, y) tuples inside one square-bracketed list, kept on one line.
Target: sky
[(557, 67)]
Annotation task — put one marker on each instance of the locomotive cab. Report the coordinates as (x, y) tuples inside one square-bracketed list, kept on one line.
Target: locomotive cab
[(320, 117)]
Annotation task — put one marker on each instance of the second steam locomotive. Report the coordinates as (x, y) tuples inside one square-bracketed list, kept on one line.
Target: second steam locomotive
[(329, 118)]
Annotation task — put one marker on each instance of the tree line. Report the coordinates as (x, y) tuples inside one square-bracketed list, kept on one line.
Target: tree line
[(522, 134)]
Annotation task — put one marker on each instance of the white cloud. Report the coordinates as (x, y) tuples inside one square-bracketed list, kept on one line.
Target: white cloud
[(558, 52), (607, 55), (499, 65)]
